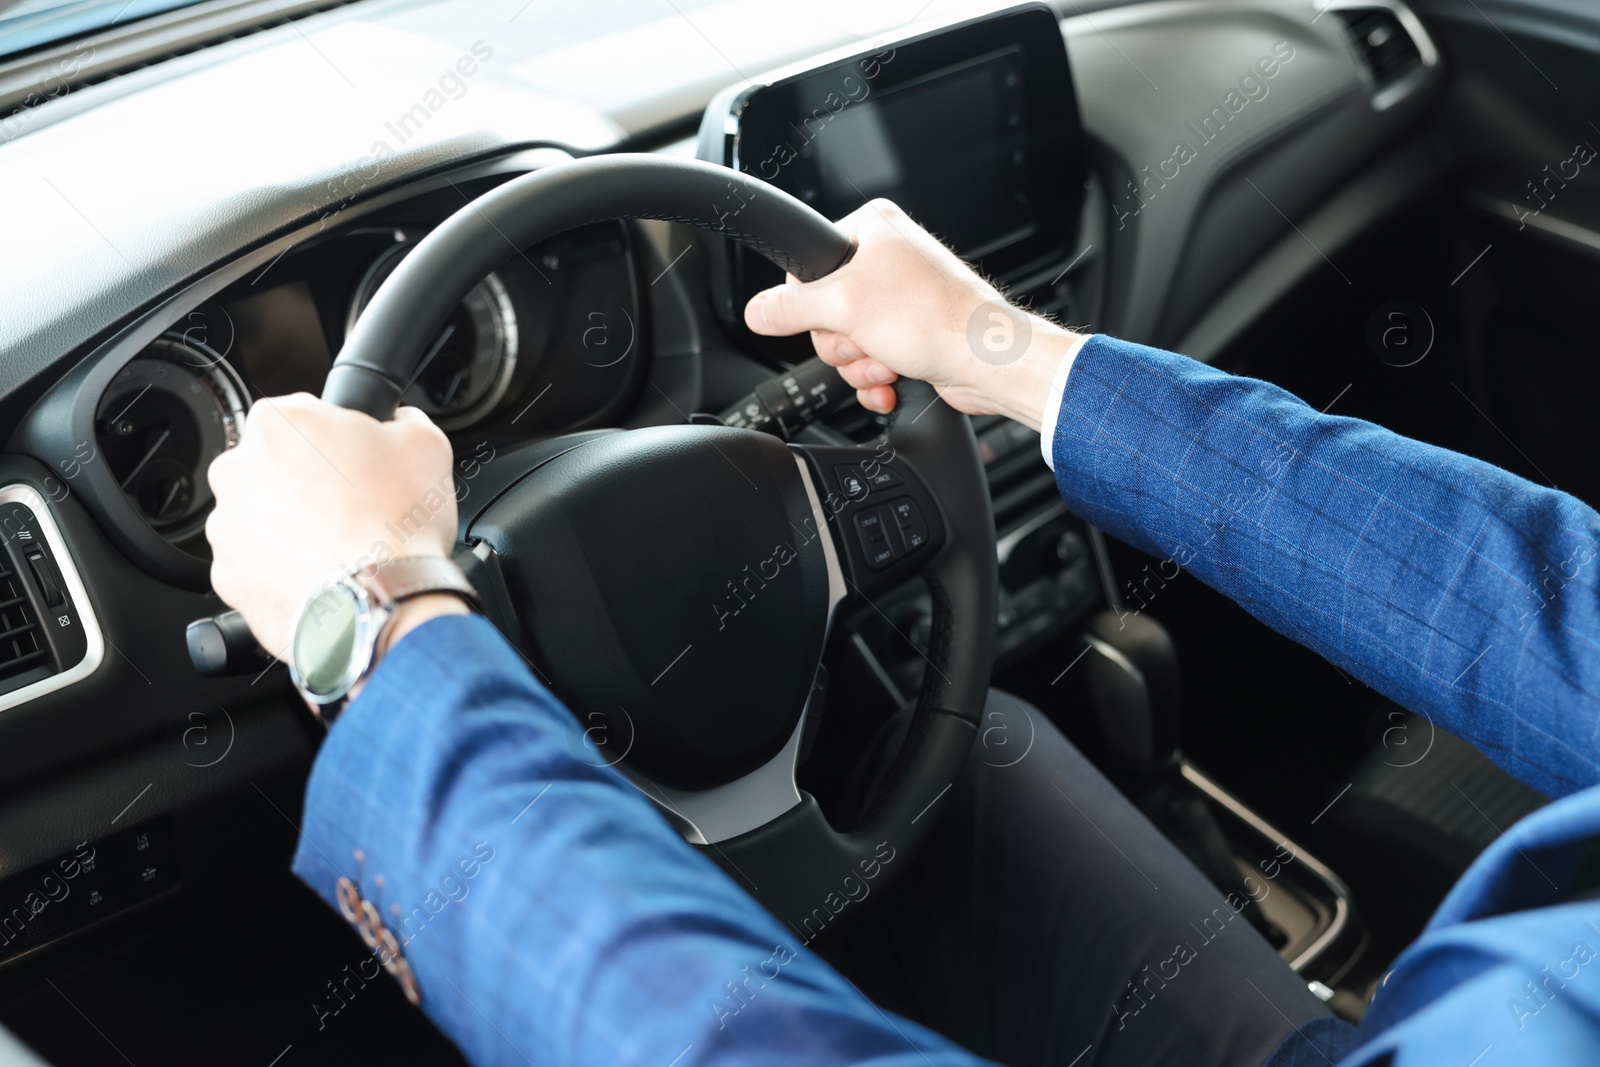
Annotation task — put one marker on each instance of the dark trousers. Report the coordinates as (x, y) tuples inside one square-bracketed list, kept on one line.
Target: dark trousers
[(1046, 921)]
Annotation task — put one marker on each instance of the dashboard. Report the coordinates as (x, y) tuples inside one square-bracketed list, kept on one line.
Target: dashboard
[(152, 316)]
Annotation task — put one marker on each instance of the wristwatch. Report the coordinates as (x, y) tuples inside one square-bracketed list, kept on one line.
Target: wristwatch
[(340, 632)]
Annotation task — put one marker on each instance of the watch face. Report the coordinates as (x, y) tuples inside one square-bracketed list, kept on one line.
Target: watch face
[(325, 640)]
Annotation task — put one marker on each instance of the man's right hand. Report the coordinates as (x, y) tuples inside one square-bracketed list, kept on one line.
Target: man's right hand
[(906, 304)]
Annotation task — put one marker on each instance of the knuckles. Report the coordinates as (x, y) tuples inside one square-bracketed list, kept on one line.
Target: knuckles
[(884, 208)]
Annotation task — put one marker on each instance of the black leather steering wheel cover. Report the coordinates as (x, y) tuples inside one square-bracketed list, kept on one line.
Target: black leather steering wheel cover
[(937, 438), (796, 864), (419, 295)]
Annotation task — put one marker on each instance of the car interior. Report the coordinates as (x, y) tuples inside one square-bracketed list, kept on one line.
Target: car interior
[(1383, 206)]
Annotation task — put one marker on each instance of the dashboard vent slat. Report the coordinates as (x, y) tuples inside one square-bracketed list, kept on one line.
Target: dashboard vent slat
[(1383, 43), (21, 647)]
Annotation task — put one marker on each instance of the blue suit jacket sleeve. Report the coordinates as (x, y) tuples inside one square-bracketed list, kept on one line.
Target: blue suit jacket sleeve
[(549, 915), (1459, 590)]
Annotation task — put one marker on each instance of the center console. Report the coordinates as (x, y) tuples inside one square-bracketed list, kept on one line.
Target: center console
[(1013, 200), (972, 127)]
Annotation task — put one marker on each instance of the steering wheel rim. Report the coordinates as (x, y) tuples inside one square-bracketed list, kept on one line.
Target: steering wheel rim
[(797, 864)]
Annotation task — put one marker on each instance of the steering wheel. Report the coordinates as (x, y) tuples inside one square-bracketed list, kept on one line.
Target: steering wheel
[(683, 579)]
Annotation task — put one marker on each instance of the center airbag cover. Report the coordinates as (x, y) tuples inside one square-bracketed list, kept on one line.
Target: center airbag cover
[(674, 590)]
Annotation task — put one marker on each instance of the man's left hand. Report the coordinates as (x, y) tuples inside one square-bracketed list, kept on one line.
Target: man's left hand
[(312, 490)]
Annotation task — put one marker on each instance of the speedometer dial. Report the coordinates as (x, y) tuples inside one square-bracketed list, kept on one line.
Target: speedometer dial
[(162, 420), (468, 365)]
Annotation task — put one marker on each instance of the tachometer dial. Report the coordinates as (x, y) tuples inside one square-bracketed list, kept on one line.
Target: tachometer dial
[(162, 420), (468, 365)]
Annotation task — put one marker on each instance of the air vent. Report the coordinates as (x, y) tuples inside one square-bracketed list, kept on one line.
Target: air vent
[(49, 637), (22, 649), (1383, 42)]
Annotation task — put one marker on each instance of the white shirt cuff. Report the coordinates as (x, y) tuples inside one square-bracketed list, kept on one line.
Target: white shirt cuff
[(1052, 402)]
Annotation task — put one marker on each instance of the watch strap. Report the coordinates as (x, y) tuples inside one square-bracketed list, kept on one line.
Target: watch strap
[(412, 576), (387, 584)]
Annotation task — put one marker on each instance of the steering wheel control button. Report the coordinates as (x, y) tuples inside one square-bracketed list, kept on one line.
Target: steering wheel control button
[(883, 478), (908, 518), (857, 484), (851, 482), (876, 543)]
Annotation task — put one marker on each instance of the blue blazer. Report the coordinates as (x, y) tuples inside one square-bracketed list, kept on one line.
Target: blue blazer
[(540, 911)]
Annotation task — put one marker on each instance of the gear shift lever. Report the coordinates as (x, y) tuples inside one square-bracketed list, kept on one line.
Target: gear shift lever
[(1133, 683), (1133, 680)]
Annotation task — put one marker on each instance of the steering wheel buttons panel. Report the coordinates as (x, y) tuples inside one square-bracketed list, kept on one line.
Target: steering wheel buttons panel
[(876, 545), (857, 484), (885, 538)]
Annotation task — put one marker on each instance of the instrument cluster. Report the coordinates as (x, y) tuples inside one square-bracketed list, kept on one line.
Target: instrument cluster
[(551, 341)]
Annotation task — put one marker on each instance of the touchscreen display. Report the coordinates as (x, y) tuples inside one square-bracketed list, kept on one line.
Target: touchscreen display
[(972, 127), (951, 148)]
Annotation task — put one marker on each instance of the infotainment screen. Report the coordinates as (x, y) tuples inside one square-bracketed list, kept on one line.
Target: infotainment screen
[(950, 148), (972, 128)]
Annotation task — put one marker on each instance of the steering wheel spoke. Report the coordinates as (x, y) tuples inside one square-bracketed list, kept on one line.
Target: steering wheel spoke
[(708, 816)]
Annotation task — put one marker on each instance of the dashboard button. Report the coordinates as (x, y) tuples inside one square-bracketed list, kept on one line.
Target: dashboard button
[(92, 901), (138, 844), (148, 875), (92, 864), (47, 576)]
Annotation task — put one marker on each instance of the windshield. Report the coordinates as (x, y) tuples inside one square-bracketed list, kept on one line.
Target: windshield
[(30, 24), (26, 24)]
